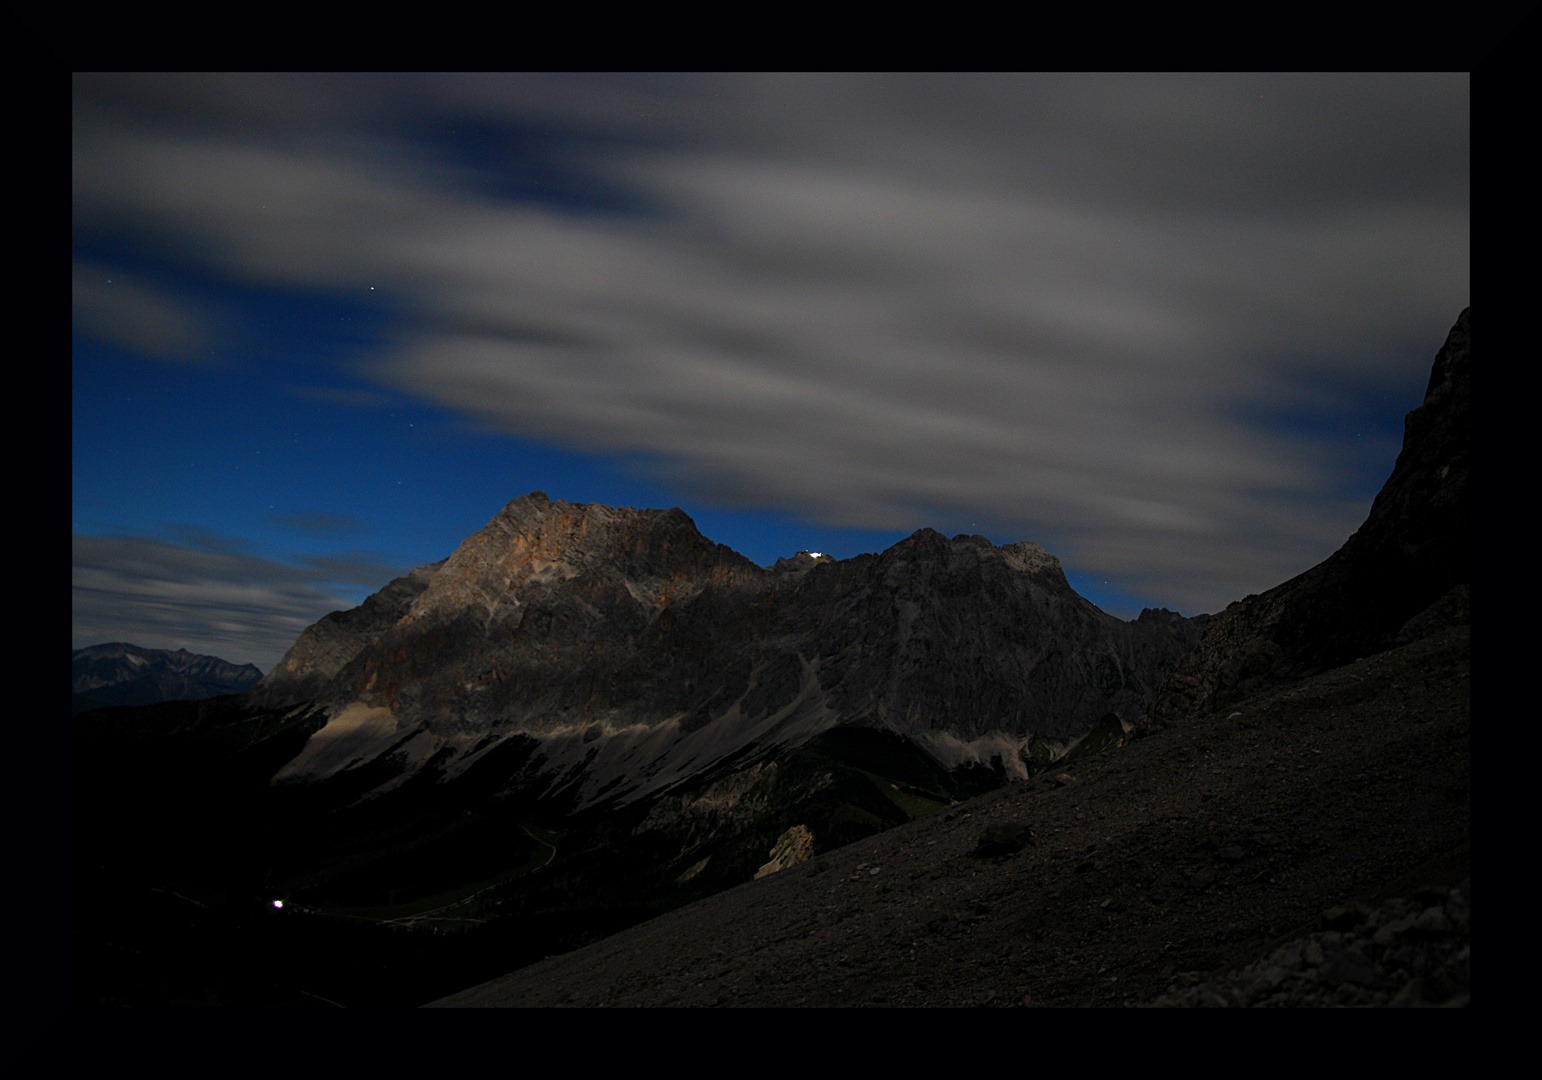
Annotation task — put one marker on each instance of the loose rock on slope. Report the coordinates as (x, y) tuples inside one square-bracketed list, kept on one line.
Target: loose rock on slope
[(1201, 849)]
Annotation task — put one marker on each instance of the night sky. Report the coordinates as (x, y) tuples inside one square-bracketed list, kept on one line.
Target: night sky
[(323, 328)]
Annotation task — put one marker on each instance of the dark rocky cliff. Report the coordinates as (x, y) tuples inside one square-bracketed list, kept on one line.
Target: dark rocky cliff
[(964, 637), (1404, 574)]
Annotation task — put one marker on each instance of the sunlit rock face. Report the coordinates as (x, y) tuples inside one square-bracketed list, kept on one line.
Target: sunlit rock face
[(550, 617), (1404, 574), (639, 652), (319, 653)]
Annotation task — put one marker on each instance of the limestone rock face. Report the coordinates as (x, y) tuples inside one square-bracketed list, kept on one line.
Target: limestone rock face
[(122, 674), (792, 847), (327, 645), (1404, 574), (961, 637), (641, 652), (547, 617)]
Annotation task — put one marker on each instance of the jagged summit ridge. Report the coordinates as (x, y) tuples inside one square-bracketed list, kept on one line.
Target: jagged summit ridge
[(1316, 753), (535, 541), (532, 543), (638, 652)]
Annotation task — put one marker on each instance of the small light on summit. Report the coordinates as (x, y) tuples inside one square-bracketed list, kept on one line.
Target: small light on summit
[(815, 554)]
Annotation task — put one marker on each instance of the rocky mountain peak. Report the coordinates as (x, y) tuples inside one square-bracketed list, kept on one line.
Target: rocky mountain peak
[(1031, 558), (643, 718), (536, 542), (637, 652), (929, 562)]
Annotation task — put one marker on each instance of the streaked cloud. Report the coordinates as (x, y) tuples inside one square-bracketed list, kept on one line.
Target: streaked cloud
[(878, 302), (208, 596), (132, 313)]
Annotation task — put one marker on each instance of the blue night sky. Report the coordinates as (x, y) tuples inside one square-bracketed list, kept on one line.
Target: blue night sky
[(324, 328)]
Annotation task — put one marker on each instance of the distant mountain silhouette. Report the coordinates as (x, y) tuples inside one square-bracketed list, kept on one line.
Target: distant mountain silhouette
[(122, 674)]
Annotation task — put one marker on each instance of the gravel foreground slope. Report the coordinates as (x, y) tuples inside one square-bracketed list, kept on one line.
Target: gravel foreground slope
[(1311, 847)]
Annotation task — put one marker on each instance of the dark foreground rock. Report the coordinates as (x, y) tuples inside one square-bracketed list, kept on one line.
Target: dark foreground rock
[(1408, 952), (1405, 573)]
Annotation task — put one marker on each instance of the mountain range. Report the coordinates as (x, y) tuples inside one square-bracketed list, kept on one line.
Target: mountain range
[(587, 717), (1291, 828), (637, 654), (121, 674), (582, 718)]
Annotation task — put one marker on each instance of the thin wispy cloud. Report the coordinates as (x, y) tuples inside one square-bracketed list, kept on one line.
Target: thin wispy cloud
[(134, 314)]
